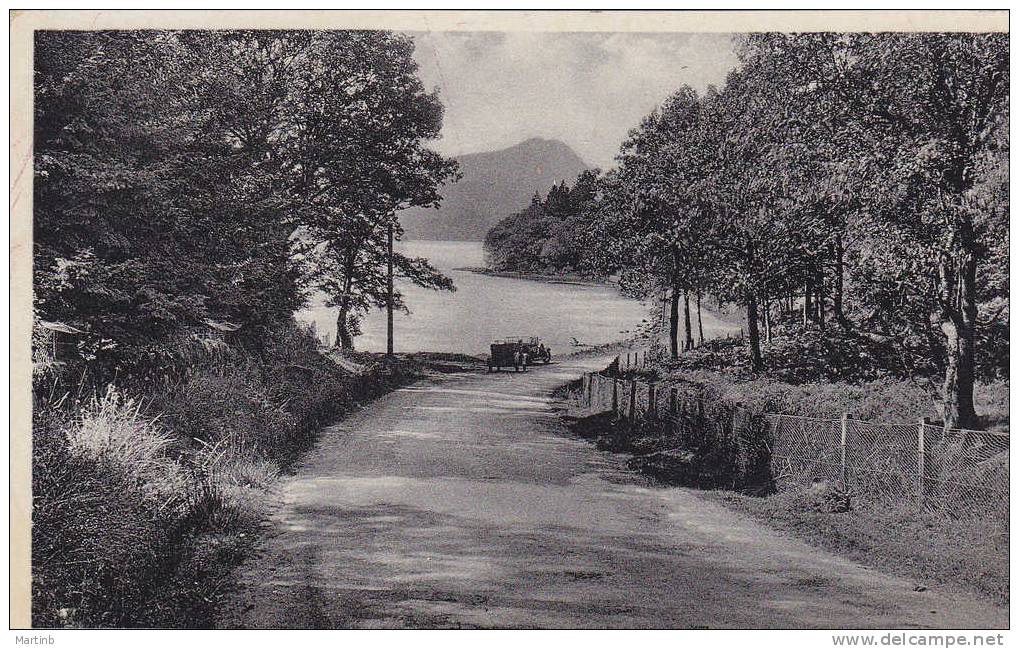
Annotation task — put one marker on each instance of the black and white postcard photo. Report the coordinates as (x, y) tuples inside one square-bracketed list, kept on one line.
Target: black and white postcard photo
[(451, 319)]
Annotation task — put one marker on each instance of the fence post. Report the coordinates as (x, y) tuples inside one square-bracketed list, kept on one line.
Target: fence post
[(590, 389), (633, 400), (615, 398), (842, 447), (921, 462)]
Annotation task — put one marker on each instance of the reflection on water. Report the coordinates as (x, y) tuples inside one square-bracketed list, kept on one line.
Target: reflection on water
[(484, 308)]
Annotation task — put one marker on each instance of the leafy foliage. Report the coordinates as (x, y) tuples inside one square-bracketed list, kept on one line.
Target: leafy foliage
[(181, 178), (863, 176)]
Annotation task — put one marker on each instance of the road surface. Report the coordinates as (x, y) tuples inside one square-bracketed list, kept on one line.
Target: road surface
[(462, 502)]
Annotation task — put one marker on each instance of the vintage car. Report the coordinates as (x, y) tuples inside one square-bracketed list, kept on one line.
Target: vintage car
[(518, 353)]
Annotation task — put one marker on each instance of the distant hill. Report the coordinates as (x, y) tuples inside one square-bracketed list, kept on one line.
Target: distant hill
[(495, 184)]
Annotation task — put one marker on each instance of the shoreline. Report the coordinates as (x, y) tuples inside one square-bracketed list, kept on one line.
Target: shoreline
[(536, 277)]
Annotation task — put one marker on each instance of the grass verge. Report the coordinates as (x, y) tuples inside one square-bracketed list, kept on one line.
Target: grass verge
[(967, 555)]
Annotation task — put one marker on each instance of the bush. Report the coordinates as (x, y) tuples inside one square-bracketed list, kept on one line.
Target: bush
[(226, 408), (823, 375), (991, 398)]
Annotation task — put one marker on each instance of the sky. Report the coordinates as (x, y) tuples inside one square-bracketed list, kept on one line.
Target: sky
[(586, 89)]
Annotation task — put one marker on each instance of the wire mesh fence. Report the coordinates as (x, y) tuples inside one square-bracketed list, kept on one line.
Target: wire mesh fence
[(954, 472)]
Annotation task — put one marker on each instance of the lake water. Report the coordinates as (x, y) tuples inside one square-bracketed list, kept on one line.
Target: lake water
[(485, 308)]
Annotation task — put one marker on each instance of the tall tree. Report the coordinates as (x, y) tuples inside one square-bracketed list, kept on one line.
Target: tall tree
[(935, 104), (757, 228), (661, 164), (359, 142), (148, 220)]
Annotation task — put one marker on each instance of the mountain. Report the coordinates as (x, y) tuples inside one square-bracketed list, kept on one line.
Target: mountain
[(495, 184)]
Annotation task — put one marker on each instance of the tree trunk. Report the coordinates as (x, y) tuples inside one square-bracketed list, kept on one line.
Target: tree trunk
[(674, 323), (700, 323), (957, 278), (754, 335), (767, 321), (837, 306), (808, 307), (819, 303), (688, 340), (344, 340), (389, 291)]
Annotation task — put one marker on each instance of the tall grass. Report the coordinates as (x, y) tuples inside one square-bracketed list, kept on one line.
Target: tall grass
[(98, 539), (111, 431), (142, 492)]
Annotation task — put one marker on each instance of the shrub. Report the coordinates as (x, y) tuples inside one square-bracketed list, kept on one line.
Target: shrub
[(227, 408), (992, 403)]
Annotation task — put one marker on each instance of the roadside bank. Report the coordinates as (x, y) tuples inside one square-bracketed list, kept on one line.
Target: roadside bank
[(148, 494), (731, 450)]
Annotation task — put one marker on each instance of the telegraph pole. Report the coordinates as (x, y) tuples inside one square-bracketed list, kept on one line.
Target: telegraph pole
[(389, 291)]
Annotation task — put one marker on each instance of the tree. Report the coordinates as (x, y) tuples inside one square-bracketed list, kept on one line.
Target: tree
[(661, 164), (358, 143), (148, 220), (758, 229), (935, 104), (190, 179), (558, 233)]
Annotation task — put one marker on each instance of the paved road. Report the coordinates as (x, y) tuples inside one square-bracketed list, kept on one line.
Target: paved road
[(461, 502)]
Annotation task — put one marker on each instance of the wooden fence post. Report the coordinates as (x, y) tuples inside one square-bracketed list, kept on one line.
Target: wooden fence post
[(590, 389), (615, 397), (633, 400), (921, 462), (842, 447)]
